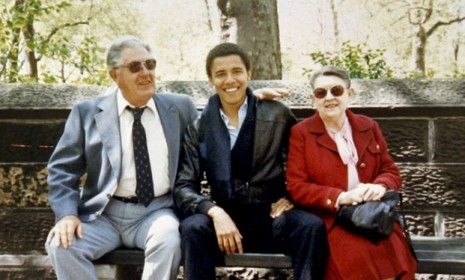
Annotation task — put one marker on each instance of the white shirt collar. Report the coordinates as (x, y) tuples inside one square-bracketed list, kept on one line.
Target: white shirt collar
[(122, 103), (242, 110)]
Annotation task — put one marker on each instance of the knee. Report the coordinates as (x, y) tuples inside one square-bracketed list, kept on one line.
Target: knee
[(303, 221), (194, 225), (314, 224), (57, 252), (168, 243)]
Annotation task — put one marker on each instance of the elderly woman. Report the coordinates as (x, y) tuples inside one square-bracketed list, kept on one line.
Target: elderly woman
[(340, 158)]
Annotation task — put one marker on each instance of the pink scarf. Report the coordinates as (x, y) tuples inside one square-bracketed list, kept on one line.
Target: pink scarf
[(347, 151)]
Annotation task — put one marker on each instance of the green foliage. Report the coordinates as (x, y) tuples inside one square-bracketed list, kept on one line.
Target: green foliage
[(457, 74), (358, 60), (54, 41), (420, 75)]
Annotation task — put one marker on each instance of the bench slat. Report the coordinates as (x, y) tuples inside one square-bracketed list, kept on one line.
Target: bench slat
[(436, 256)]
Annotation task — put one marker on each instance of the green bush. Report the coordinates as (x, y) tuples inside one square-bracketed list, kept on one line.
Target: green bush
[(358, 60)]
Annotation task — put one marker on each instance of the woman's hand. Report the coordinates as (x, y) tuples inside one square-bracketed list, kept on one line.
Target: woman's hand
[(352, 197), (373, 191), (280, 206), (363, 192)]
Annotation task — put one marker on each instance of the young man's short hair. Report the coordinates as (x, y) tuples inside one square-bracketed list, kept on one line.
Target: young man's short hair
[(225, 49)]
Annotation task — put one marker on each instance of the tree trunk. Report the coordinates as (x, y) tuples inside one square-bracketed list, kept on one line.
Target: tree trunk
[(456, 46), (337, 44), (258, 34), (13, 57), (419, 46), (29, 33)]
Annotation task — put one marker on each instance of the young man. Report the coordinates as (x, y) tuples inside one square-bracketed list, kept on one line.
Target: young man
[(239, 143)]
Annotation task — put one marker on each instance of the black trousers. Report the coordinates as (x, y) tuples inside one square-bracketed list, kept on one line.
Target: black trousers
[(296, 232)]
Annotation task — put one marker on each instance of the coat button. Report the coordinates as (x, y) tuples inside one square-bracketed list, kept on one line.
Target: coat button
[(362, 165), (108, 195), (328, 201)]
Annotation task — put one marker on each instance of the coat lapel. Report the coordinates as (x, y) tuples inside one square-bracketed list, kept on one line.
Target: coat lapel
[(361, 133), (107, 123), (216, 137), (171, 128), (317, 126)]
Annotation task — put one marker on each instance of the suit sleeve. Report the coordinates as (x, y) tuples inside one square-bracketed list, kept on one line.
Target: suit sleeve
[(187, 196), (66, 166), (388, 174), (190, 112)]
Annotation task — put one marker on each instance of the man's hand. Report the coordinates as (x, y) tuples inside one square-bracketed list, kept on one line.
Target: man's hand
[(280, 207), (64, 230), (229, 237), (271, 93)]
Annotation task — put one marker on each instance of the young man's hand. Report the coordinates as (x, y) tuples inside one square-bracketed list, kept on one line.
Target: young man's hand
[(229, 237), (280, 206)]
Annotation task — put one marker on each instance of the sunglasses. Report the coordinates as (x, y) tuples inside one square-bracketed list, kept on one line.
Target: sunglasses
[(136, 66), (335, 91)]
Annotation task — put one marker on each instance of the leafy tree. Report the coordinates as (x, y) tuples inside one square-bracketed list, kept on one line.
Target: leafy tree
[(420, 20), (57, 40), (358, 60)]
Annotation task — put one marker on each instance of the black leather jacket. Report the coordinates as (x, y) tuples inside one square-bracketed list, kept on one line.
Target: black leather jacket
[(267, 184)]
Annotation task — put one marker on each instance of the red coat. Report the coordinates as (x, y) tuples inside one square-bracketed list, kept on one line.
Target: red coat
[(316, 176)]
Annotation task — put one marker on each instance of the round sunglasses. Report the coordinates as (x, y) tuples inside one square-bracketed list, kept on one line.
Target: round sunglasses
[(136, 66), (335, 91)]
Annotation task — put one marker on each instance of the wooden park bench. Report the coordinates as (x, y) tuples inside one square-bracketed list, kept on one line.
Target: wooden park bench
[(435, 256)]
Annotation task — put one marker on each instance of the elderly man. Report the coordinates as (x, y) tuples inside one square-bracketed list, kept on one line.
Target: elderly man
[(128, 145)]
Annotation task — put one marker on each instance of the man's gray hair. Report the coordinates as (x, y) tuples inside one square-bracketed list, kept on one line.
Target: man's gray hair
[(329, 70), (121, 43)]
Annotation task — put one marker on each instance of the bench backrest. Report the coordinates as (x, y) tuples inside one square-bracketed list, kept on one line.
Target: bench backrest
[(423, 121)]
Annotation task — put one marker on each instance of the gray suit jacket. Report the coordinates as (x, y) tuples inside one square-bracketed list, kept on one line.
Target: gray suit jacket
[(91, 145)]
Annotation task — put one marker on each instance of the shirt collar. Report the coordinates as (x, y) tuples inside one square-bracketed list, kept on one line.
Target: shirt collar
[(122, 103), (243, 108)]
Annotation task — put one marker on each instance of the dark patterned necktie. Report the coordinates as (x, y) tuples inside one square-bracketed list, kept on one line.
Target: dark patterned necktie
[(144, 185)]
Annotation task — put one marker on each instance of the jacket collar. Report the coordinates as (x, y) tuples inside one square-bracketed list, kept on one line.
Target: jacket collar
[(360, 131)]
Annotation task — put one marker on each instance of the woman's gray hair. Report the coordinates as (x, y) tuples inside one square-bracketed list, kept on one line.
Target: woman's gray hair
[(329, 70), (121, 43)]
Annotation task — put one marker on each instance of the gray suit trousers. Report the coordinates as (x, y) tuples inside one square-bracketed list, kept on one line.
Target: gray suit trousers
[(153, 229)]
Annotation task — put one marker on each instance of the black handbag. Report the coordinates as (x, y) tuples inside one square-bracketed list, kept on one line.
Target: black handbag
[(373, 219)]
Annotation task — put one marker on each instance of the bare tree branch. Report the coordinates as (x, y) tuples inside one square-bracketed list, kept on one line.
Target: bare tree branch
[(429, 11), (209, 18), (58, 28), (443, 23), (70, 24)]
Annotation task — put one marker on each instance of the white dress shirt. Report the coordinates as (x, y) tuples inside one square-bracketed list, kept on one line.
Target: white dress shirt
[(156, 145)]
